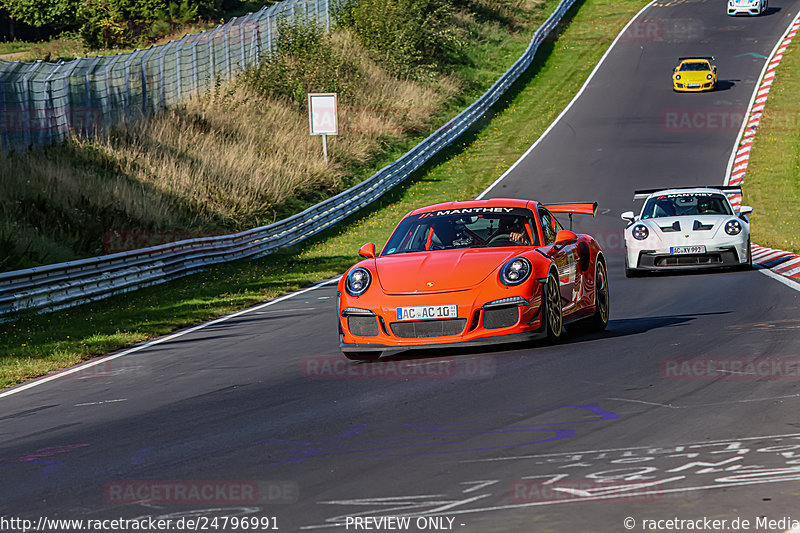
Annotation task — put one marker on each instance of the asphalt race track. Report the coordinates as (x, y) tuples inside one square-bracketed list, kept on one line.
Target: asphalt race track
[(260, 416)]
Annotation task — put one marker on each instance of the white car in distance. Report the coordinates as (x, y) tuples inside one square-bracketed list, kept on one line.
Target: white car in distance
[(747, 7), (686, 228)]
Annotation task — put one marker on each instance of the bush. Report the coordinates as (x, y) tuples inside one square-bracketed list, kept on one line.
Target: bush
[(110, 23), (412, 37), (304, 61)]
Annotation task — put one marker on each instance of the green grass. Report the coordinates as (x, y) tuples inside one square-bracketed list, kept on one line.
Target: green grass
[(772, 182), (36, 344), (14, 47)]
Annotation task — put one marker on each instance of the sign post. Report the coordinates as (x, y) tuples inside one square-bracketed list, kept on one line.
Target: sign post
[(322, 117)]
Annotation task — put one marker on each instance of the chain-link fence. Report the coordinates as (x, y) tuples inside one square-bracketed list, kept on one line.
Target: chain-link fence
[(42, 103)]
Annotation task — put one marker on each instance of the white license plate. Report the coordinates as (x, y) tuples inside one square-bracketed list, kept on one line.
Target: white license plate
[(427, 312), (680, 250), (693, 85)]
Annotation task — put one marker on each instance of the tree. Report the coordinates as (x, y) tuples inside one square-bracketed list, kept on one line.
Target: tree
[(56, 13)]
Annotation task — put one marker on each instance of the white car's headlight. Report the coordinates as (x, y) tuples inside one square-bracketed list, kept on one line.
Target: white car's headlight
[(733, 227), (640, 232)]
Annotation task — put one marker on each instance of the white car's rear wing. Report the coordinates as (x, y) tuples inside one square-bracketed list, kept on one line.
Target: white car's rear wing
[(643, 194)]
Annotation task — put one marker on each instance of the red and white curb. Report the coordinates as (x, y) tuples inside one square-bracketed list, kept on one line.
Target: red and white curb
[(779, 261)]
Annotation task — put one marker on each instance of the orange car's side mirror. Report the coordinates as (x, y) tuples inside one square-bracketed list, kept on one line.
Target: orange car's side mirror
[(367, 251), (565, 236)]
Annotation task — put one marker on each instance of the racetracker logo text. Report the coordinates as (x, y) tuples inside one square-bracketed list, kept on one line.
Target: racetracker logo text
[(545, 490), (731, 368), (337, 367), (701, 120), (195, 492)]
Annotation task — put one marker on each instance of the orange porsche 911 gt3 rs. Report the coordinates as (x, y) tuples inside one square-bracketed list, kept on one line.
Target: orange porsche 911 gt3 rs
[(474, 272)]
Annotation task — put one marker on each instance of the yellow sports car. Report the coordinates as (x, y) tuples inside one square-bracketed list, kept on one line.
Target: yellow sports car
[(694, 74)]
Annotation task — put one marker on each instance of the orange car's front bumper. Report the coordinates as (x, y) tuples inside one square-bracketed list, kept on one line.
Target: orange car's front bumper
[(370, 323)]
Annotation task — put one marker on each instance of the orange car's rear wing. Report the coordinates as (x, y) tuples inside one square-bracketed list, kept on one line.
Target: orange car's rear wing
[(573, 209)]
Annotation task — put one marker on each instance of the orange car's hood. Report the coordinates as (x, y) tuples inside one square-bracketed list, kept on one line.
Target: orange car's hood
[(440, 270)]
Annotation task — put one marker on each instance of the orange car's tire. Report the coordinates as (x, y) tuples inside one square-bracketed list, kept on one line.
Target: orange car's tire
[(599, 320), (362, 356), (553, 314)]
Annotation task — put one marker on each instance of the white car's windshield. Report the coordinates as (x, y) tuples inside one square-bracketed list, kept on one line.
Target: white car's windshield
[(688, 204), (462, 228)]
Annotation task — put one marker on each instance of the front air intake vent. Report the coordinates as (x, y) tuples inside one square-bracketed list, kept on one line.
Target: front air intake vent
[(416, 329), (676, 226), (699, 226)]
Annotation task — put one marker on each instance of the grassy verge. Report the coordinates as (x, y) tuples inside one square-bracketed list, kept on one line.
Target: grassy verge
[(772, 183), (34, 345)]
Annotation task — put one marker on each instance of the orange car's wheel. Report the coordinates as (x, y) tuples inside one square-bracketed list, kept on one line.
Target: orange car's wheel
[(553, 314), (362, 356), (599, 319)]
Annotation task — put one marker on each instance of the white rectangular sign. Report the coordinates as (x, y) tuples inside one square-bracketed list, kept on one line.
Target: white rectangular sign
[(322, 117)]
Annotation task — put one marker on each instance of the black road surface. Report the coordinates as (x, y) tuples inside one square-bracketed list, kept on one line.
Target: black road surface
[(685, 409)]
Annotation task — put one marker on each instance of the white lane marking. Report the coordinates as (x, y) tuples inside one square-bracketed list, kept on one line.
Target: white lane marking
[(745, 120), (284, 310), (618, 496), (728, 402), (786, 281), (478, 485), (569, 105), (101, 402), (630, 448), (670, 406), (160, 340)]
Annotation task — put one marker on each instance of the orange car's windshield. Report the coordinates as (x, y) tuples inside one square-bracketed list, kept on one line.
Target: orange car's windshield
[(450, 229), (694, 66)]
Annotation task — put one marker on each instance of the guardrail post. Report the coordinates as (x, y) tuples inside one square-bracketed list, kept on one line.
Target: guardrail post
[(242, 66), (145, 56), (255, 46), (68, 114), (26, 128), (226, 35), (161, 78), (48, 90), (195, 80), (127, 74)]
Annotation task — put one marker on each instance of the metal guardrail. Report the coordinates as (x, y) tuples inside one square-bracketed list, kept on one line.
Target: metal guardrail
[(62, 285), (42, 103)]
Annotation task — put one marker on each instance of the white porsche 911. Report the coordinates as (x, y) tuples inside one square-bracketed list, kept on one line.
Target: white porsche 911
[(686, 228), (747, 7)]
